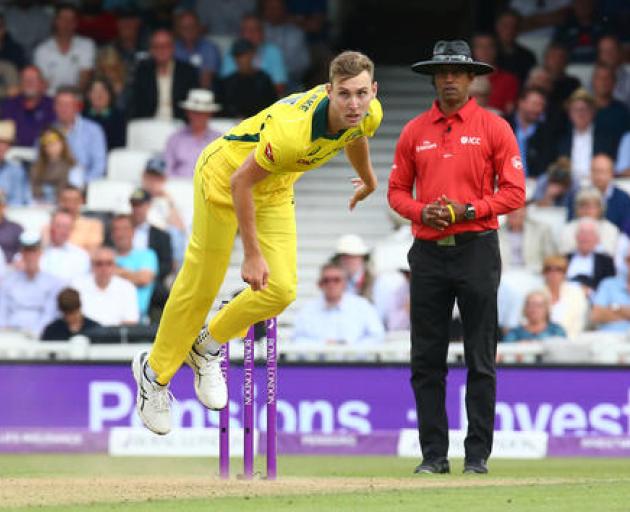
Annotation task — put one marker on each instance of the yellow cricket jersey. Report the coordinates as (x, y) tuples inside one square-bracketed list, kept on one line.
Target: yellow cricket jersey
[(288, 138)]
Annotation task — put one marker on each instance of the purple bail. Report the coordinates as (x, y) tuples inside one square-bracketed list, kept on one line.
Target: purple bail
[(248, 404), (224, 418), (272, 391)]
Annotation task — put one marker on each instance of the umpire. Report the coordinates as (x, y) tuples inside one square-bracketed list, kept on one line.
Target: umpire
[(464, 165)]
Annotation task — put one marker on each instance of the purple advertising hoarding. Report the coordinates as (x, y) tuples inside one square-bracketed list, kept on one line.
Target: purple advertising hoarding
[(315, 399)]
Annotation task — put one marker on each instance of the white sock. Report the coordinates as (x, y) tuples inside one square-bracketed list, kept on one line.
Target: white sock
[(207, 342), (212, 347)]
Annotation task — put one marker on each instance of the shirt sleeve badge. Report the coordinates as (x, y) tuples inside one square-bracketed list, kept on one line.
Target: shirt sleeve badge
[(516, 162)]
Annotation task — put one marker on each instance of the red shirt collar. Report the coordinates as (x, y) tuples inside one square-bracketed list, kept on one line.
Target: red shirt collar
[(464, 113)]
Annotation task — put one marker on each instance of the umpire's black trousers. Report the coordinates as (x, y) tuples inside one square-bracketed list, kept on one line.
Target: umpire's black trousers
[(469, 272)]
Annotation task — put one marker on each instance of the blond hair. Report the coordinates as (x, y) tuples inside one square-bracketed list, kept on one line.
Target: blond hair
[(556, 260), (349, 64)]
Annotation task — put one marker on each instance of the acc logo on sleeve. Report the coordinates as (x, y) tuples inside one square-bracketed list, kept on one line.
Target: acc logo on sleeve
[(269, 152), (516, 162)]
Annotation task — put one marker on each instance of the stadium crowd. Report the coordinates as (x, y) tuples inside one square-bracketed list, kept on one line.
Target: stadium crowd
[(73, 75)]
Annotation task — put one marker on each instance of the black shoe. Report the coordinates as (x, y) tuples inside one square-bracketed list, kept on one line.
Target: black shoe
[(437, 466), (479, 467)]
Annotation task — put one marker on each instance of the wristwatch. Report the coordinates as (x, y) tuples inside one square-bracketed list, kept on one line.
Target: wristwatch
[(469, 212), (615, 307)]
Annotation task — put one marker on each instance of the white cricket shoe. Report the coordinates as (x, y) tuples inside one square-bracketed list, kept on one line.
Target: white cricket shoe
[(153, 401), (210, 385)]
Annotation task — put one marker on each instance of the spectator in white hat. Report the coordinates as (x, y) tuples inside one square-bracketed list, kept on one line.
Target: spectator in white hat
[(185, 145), (13, 178), (352, 255), (28, 297)]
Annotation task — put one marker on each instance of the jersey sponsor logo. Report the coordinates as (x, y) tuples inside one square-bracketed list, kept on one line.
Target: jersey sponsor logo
[(467, 139), (314, 151), (517, 163), (426, 144), (325, 156), (269, 152), (304, 107)]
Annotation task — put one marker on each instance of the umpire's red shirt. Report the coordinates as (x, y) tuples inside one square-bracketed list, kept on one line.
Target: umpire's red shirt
[(461, 156)]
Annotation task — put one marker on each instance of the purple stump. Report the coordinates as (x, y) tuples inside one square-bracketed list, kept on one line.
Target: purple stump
[(248, 404), (272, 390), (224, 419)]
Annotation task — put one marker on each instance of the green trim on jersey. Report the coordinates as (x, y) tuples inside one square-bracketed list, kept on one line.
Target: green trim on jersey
[(320, 122), (246, 137)]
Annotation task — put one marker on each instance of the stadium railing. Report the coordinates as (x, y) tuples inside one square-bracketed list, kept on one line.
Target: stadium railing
[(589, 348)]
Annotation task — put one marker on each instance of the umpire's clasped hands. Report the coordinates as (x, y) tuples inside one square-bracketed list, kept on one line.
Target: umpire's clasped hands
[(442, 212)]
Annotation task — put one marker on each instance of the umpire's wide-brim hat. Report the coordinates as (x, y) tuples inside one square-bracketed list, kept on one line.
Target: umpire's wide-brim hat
[(451, 53)]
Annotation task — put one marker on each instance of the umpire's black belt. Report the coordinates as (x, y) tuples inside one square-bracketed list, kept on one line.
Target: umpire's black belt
[(457, 239)]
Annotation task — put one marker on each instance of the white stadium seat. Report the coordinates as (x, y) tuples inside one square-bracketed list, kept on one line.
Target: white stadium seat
[(223, 42), (31, 218), (181, 190), (582, 72), (535, 42), (223, 124), (530, 188), (124, 164), (24, 153), (109, 196), (554, 216), (150, 134)]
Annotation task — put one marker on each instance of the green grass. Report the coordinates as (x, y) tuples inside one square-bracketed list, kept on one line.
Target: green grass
[(593, 485)]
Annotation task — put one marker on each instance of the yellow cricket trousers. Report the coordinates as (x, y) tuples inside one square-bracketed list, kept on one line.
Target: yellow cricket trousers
[(205, 264)]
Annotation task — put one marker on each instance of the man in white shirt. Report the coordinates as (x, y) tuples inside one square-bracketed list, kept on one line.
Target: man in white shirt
[(338, 317), (106, 298), (65, 58), (62, 258)]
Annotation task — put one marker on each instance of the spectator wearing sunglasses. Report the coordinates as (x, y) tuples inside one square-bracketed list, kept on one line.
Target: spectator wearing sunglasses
[(107, 298)]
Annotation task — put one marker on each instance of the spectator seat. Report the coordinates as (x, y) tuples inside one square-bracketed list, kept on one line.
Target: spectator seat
[(150, 134), (223, 124), (31, 218), (554, 216), (107, 195), (124, 164)]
